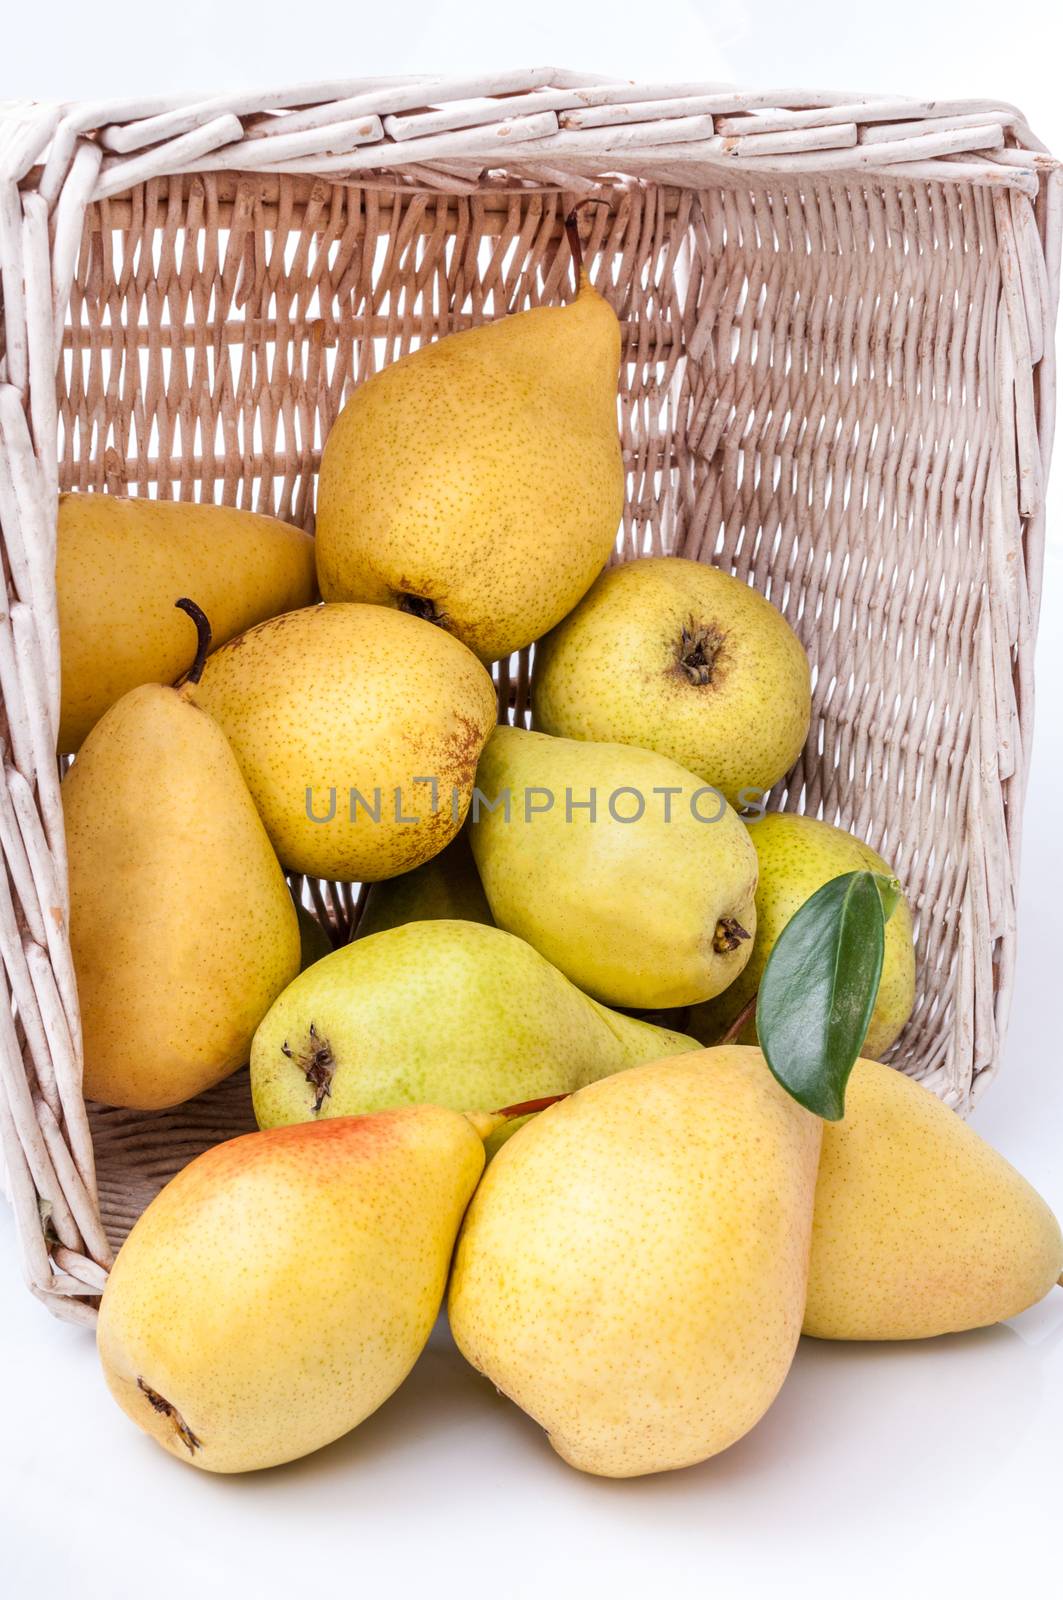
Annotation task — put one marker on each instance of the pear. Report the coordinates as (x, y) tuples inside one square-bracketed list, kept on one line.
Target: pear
[(623, 869), (455, 1013), (281, 1287), (478, 481), (920, 1226), (631, 1271), (796, 856), (684, 659), (447, 886), (314, 942), (121, 567), (357, 730), (182, 928)]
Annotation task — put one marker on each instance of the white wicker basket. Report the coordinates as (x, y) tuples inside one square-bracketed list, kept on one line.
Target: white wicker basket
[(837, 382)]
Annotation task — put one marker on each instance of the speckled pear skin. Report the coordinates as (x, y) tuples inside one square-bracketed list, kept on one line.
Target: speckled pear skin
[(182, 928), (481, 475), (341, 697), (632, 1269), (631, 911), (613, 671), (920, 1227), (447, 887), (452, 1012), (122, 564), (796, 856), (281, 1287)]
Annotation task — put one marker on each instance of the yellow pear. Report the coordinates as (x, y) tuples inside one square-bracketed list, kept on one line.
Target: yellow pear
[(456, 1013), (447, 886), (478, 481), (632, 1268), (623, 869), (796, 856), (182, 928), (683, 659), (281, 1287), (122, 565), (920, 1226), (357, 730)]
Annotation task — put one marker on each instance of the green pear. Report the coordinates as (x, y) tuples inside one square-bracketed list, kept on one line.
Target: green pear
[(920, 1227), (314, 942), (684, 659), (455, 1013), (281, 1287), (632, 1269), (624, 870), (121, 566), (796, 856), (357, 730), (478, 481), (182, 928), (447, 886)]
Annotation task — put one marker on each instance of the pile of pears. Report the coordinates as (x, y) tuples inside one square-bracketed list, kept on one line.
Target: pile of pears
[(533, 1072)]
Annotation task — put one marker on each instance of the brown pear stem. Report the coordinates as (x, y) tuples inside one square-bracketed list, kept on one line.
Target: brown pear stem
[(527, 1108), (203, 637), (748, 1011), (572, 232), (574, 245)]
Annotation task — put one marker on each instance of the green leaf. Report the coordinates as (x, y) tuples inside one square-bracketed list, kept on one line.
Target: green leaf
[(819, 988)]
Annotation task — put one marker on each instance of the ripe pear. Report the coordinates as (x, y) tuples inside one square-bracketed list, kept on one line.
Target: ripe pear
[(281, 1287), (447, 886), (920, 1226), (122, 565), (182, 928), (455, 1013), (797, 856), (684, 659), (357, 730), (478, 481), (632, 1268), (646, 900)]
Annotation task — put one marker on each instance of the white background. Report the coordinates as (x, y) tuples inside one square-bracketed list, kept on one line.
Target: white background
[(920, 1469)]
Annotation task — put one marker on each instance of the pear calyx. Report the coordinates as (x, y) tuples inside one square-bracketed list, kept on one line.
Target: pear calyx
[(203, 637), (419, 605), (165, 1409), (699, 646), (317, 1063), (728, 935)]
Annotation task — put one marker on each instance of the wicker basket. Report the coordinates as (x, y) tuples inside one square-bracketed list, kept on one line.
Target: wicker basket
[(837, 382)]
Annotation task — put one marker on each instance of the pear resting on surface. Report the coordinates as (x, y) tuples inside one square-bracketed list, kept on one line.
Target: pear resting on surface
[(920, 1228), (341, 717), (684, 659), (478, 481), (182, 928), (455, 1013), (648, 911), (796, 856), (281, 1287), (631, 1271), (122, 565)]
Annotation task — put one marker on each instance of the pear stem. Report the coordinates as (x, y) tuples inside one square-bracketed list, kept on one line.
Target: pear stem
[(203, 637), (747, 1012), (527, 1108), (572, 233)]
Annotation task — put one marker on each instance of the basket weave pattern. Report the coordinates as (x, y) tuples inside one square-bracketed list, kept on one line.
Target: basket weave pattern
[(837, 382)]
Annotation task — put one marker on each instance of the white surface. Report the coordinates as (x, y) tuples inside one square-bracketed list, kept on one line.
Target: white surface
[(922, 1469)]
